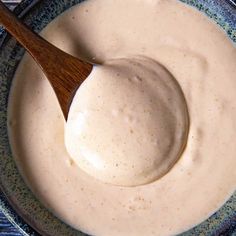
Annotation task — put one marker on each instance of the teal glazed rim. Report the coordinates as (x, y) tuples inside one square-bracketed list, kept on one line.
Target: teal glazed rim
[(16, 200)]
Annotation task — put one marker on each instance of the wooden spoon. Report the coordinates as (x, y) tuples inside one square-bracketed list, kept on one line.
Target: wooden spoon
[(64, 71)]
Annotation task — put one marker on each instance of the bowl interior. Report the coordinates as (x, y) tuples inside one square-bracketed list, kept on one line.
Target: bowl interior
[(14, 193)]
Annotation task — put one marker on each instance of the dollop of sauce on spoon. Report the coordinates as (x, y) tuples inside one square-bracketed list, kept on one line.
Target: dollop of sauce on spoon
[(128, 122)]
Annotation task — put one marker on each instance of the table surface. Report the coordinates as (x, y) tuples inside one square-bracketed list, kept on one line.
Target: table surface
[(6, 228)]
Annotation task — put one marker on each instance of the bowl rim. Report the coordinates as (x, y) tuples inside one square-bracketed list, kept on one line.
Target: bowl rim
[(21, 10), (8, 209)]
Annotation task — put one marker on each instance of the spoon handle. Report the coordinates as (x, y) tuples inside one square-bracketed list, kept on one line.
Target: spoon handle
[(49, 57), (32, 42), (59, 67), (41, 50)]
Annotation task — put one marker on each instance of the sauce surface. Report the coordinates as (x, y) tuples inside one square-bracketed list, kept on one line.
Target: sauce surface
[(191, 47)]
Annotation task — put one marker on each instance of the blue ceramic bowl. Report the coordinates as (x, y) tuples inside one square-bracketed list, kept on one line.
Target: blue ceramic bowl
[(29, 216)]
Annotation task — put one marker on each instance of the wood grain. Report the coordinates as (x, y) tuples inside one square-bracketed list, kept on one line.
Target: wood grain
[(64, 71)]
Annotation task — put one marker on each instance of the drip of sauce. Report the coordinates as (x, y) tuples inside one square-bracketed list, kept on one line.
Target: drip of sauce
[(180, 39)]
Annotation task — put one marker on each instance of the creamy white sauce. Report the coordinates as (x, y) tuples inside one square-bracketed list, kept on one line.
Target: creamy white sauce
[(201, 58), (128, 122)]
